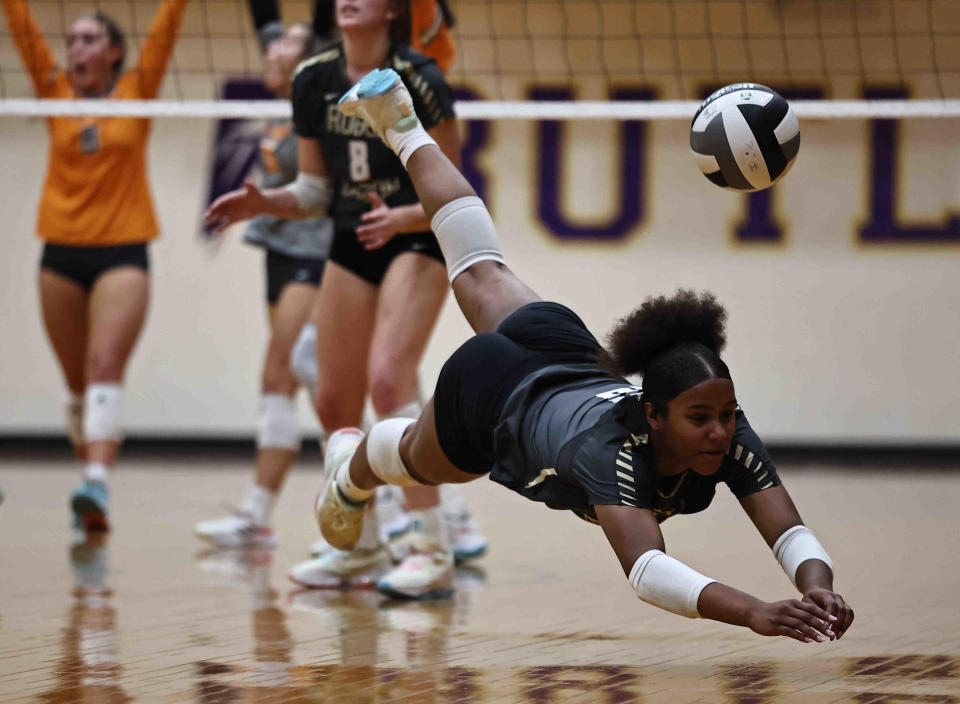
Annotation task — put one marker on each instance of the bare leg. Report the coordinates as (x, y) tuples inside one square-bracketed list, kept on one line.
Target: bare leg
[(411, 296), (488, 291), (287, 316), (344, 320), (118, 307), (64, 307), (421, 454)]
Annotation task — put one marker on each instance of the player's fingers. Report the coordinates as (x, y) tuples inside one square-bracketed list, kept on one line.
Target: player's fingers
[(846, 618), (804, 628), (816, 610), (792, 633), (814, 621), (375, 200)]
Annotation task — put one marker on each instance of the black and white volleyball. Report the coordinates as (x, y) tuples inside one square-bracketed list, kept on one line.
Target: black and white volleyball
[(745, 137)]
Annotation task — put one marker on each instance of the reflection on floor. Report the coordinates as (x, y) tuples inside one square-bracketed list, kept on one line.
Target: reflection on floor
[(144, 614)]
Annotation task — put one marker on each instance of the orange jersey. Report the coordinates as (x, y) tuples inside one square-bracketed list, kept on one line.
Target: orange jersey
[(429, 33), (96, 193)]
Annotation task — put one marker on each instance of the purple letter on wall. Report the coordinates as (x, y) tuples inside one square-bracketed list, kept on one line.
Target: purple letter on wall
[(632, 149), (884, 164)]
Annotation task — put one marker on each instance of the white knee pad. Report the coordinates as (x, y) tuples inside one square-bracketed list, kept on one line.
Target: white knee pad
[(466, 235), (277, 423), (303, 358), (73, 410), (102, 407), (383, 452)]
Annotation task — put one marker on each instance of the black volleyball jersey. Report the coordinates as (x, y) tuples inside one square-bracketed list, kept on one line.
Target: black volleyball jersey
[(572, 437), (357, 160)]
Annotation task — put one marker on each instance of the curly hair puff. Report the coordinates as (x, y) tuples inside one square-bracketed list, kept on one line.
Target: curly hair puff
[(661, 323)]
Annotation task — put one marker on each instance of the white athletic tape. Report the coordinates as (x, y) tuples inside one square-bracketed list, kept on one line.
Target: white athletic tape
[(73, 411), (277, 423), (102, 409), (466, 235), (303, 359), (667, 583), (797, 545), (383, 452), (313, 193)]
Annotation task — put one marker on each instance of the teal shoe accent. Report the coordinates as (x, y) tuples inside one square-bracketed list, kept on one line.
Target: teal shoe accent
[(89, 503), (376, 82)]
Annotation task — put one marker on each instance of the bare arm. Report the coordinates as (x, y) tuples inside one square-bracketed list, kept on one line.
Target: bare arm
[(773, 512), (382, 223), (633, 532), (249, 201)]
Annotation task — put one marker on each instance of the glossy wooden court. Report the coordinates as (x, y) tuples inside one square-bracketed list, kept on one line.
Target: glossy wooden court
[(148, 615)]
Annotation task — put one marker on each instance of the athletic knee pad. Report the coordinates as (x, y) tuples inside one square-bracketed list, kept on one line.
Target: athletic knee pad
[(303, 358), (102, 406), (277, 423), (383, 452), (73, 409), (466, 235)]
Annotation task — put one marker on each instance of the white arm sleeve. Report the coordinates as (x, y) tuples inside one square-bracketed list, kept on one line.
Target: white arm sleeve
[(313, 193), (667, 583), (796, 546)]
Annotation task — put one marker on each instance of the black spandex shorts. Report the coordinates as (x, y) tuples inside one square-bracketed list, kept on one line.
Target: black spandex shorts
[(475, 382), (283, 270), (348, 252), (84, 265)]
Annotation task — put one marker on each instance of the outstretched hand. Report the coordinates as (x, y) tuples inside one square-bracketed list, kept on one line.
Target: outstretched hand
[(801, 620), (380, 224), (834, 605), (241, 204)]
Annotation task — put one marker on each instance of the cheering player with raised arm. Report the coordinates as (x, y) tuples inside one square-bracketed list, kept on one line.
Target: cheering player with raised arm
[(96, 218)]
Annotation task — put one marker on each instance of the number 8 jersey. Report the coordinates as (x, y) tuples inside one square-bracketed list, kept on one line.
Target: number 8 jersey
[(356, 159)]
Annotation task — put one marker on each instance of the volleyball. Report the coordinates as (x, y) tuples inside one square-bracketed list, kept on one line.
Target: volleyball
[(745, 137)]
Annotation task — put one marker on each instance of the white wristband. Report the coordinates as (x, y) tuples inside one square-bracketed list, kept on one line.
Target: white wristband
[(314, 194), (667, 583), (797, 545)]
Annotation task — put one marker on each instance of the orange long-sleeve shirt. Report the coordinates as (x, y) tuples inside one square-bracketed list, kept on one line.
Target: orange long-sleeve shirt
[(95, 193)]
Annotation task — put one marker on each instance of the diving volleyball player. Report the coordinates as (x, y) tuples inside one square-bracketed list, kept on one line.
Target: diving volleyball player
[(535, 401)]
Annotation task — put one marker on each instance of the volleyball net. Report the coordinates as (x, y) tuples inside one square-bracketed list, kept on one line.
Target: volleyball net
[(571, 59)]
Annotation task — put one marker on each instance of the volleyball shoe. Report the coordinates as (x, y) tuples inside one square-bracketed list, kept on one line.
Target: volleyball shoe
[(340, 520), (90, 502), (425, 571), (359, 568), (235, 531)]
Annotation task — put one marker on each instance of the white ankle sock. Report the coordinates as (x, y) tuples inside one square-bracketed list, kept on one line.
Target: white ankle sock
[(429, 522), (370, 536), (96, 472), (258, 504), (405, 143), (350, 490)]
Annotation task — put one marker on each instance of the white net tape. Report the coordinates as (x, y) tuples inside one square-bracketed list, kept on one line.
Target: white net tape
[(480, 110)]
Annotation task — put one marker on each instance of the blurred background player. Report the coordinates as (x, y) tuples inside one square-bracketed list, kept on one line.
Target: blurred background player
[(381, 293), (296, 251), (96, 217), (431, 22)]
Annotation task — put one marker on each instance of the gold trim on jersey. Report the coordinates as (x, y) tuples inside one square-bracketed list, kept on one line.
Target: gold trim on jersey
[(544, 473), (321, 58)]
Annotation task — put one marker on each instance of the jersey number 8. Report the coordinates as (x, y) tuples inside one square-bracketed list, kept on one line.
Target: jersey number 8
[(359, 161)]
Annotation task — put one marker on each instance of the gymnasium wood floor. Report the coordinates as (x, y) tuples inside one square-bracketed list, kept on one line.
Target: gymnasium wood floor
[(546, 616)]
